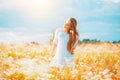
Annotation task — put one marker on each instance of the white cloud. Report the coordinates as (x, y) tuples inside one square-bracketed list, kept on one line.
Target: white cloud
[(113, 1), (84, 36), (94, 35), (12, 36), (30, 8), (32, 12), (20, 37)]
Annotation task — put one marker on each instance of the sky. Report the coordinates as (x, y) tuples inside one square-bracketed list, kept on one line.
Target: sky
[(35, 20)]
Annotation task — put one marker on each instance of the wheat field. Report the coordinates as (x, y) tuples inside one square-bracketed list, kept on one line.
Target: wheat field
[(28, 61)]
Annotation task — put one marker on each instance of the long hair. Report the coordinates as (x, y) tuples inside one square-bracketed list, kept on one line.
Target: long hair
[(73, 33)]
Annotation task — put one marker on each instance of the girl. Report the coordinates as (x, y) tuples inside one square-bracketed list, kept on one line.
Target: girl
[(65, 41)]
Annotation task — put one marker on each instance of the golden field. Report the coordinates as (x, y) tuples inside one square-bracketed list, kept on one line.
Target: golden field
[(30, 61)]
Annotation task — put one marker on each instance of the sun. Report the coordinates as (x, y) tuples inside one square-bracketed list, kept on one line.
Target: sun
[(41, 8), (42, 3)]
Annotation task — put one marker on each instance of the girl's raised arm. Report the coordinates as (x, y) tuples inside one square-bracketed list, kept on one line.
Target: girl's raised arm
[(55, 41)]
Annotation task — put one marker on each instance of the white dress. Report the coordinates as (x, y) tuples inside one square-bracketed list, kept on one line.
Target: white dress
[(62, 56)]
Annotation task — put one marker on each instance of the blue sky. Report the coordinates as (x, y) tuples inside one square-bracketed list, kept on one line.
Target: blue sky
[(34, 20)]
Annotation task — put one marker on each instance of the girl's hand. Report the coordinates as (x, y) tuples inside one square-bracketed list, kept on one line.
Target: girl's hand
[(72, 50), (53, 48)]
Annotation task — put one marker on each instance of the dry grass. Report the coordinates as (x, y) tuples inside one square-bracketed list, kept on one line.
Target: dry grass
[(99, 61)]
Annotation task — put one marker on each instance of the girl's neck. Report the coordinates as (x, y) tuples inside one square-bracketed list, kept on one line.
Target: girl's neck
[(65, 31)]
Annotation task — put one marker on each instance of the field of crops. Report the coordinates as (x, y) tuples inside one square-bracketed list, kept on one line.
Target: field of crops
[(28, 61)]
